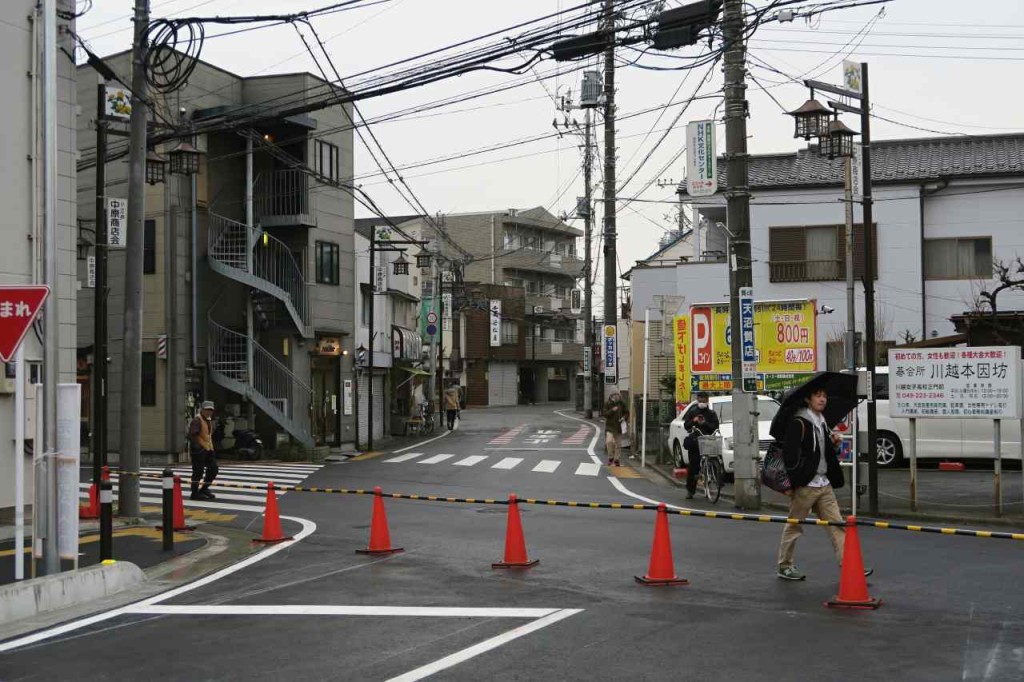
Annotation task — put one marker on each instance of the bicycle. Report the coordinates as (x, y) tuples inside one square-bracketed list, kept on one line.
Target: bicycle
[(712, 468), (426, 417)]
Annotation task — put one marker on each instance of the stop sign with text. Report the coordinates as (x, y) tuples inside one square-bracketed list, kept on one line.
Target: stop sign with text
[(19, 306)]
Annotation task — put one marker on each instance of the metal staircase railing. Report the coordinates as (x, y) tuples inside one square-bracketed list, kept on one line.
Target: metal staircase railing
[(258, 260), (271, 386)]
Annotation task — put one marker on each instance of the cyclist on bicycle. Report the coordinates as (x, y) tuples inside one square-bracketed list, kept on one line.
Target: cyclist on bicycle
[(698, 420)]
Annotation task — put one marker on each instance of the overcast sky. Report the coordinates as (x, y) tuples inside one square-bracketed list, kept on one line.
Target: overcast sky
[(944, 65)]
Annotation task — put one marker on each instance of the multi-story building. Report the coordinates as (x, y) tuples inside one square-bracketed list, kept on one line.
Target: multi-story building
[(21, 177), (532, 252), (248, 265)]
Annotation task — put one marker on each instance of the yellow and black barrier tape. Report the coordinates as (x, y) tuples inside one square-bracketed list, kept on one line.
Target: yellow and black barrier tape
[(700, 513)]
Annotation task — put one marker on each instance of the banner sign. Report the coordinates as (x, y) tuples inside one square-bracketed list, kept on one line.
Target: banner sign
[(611, 354), (495, 322), (749, 352), (701, 164), (117, 219), (973, 383), (681, 343)]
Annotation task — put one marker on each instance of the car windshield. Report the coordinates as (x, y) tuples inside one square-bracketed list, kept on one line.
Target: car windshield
[(767, 408)]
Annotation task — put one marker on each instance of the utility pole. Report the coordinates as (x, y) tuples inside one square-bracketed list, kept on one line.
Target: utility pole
[(869, 290), (748, 488), (47, 498), (369, 351), (99, 352), (588, 223), (610, 259), (131, 375)]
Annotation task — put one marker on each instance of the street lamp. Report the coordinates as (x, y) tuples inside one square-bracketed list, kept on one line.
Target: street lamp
[(838, 143), (401, 265), (423, 259), (812, 119), (156, 168), (185, 159)]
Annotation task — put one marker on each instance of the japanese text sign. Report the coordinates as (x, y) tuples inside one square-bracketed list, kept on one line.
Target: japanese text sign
[(976, 383), (701, 164), (784, 338), (117, 223), (681, 343), (749, 351), (611, 354), (19, 306), (495, 322)]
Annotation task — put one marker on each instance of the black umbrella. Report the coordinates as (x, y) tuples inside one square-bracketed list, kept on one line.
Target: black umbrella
[(842, 399)]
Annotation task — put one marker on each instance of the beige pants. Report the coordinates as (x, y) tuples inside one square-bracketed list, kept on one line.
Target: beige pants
[(613, 444), (822, 501)]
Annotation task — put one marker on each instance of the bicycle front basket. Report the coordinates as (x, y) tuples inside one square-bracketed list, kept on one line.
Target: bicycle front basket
[(710, 445)]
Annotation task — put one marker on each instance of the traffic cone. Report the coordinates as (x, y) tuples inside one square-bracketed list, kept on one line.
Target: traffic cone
[(178, 508), (92, 510), (272, 520), (515, 543), (661, 570), (380, 538), (853, 585)]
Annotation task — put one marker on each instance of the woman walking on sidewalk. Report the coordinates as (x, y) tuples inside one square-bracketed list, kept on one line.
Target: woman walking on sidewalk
[(615, 414), (451, 405)]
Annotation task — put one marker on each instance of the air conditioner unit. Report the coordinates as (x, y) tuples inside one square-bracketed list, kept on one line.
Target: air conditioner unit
[(537, 309)]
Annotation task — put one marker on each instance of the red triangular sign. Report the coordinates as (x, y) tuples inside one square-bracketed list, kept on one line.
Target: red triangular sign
[(19, 305)]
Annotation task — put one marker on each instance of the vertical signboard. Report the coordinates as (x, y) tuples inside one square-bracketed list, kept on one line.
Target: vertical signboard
[(69, 407), (380, 279), (611, 354), (346, 397), (749, 350), (681, 344), (495, 322), (701, 164), (446, 312), (117, 215), (576, 301), (703, 343), (90, 272)]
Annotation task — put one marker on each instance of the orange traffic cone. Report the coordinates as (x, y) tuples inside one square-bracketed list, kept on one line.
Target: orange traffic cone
[(178, 508), (92, 510), (853, 586), (515, 543), (380, 538), (661, 570), (272, 520)]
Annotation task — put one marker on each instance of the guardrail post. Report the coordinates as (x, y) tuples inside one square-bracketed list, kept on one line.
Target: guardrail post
[(106, 520), (168, 509)]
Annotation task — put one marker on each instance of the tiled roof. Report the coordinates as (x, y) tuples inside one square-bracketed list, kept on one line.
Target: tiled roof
[(892, 161)]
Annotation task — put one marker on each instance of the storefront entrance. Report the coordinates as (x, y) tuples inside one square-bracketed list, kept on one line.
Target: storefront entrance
[(326, 417)]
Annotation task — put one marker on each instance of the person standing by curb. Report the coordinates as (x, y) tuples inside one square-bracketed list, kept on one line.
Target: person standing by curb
[(615, 414), (204, 458)]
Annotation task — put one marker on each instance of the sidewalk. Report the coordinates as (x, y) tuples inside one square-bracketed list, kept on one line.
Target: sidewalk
[(942, 496)]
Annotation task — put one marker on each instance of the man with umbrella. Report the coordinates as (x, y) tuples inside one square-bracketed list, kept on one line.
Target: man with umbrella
[(804, 425)]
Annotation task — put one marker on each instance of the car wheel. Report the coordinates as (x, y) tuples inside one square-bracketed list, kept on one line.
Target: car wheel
[(677, 455), (889, 449)]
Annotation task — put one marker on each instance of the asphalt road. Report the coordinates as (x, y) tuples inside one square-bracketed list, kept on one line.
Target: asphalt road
[(315, 609)]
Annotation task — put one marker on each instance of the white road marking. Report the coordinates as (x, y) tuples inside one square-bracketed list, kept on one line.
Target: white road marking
[(332, 610), (405, 458), (436, 459), (421, 443), (546, 466), (231, 477), (508, 463), (588, 469), (256, 498), (483, 647), (470, 461)]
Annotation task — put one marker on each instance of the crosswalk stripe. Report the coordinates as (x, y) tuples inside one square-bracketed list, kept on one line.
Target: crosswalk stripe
[(436, 459), (243, 468), (547, 466), (258, 509), (406, 457), (470, 461), (187, 473), (508, 463), (588, 469), (151, 490)]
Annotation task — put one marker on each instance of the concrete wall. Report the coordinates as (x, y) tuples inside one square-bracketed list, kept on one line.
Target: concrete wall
[(21, 180)]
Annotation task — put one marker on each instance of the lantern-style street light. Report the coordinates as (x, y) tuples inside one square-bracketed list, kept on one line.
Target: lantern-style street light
[(839, 141), (812, 119), (156, 168), (401, 265), (185, 159)]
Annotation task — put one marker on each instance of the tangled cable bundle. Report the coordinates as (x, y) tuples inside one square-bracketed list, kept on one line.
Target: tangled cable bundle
[(174, 48)]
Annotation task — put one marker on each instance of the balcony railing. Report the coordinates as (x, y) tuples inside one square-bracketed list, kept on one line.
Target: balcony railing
[(282, 198), (807, 270)]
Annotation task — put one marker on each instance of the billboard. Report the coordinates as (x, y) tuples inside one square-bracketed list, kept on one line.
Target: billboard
[(961, 383), (681, 344), (785, 338)]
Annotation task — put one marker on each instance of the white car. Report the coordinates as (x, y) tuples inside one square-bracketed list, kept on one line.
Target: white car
[(722, 405), (936, 438)]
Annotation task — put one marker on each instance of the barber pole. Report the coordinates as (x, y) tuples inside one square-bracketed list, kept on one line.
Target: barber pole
[(161, 346)]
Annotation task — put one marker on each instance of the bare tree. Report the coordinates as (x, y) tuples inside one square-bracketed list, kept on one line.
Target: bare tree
[(1009, 275)]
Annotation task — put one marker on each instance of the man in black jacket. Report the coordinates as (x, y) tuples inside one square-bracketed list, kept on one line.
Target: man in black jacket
[(699, 420), (809, 452)]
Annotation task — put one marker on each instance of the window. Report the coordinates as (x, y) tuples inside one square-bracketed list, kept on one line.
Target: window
[(560, 291), (149, 378), (958, 258), (816, 253), (327, 159), (532, 287), (510, 239), (565, 335), (509, 333), (149, 247), (328, 263), (364, 312)]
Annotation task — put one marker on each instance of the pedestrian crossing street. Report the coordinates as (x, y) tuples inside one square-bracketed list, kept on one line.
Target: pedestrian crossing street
[(544, 466), (282, 474)]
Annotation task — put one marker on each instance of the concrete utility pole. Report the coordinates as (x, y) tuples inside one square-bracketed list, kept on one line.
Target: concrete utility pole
[(748, 488), (869, 290), (131, 376), (588, 223), (99, 349), (610, 259), (47, 498)]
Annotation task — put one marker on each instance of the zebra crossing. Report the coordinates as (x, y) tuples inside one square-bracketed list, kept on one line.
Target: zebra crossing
[(544, 466), (241, 499), (579, 437)]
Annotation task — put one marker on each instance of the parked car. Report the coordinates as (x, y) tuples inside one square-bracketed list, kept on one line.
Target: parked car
[(944, 438), (722, 405)]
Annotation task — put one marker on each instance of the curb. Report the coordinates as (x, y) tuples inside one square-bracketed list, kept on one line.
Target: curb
[(31, 598)]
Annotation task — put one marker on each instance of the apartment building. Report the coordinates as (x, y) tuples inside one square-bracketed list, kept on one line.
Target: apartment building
[(249, 269)]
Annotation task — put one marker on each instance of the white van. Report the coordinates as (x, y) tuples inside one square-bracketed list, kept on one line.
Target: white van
[(942, 438)]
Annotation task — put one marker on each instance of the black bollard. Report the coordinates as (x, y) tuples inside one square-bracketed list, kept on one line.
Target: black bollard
[(106, 520), (168, 509)]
